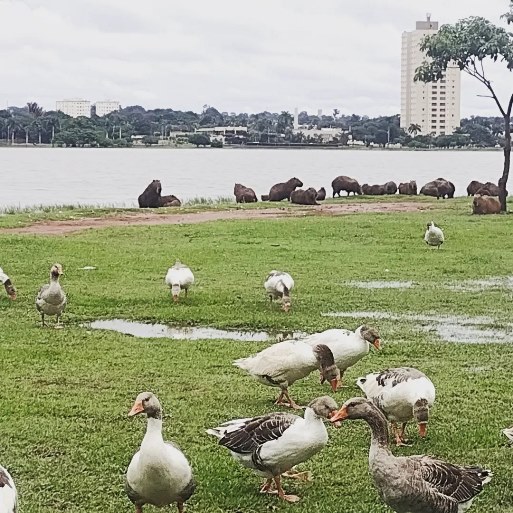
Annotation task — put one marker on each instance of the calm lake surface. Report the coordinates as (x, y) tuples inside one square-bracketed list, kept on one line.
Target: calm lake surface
[(49, 176)]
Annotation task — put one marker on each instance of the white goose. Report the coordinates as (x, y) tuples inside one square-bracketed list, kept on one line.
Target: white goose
[(9, 287), (348, 347), (51, 299), (179, 277), (401, 394), (159, 473), (284, 363), (434, 235), (271, 445), (278, 285), (8, 493)]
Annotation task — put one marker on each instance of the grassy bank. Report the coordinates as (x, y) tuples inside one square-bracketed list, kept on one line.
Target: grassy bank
[(64, 430)]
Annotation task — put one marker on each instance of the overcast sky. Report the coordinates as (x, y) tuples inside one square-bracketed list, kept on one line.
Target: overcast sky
[(236, 55)]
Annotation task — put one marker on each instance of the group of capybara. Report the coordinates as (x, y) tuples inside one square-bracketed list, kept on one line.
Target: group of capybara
[(485, 194)]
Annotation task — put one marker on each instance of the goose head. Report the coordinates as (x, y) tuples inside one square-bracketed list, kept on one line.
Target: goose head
[(509, 433), (175, 291), (146, 402), (421, 415), (9, 288), (356, 408), (56, 271), (329, 371), (286, 303), (371, 335), (324, 407)]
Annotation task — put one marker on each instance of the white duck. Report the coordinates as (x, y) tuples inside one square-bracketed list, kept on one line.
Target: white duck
[(159, 473), (179, 277), (271, 445), (348, 347), (413, 484), (401, 394), (278, 285), (51, 299), (9, 287), (434, 235), (284, 363), (8, 493)]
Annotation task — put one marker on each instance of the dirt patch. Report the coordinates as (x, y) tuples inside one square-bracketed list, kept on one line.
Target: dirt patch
[(153, 218)]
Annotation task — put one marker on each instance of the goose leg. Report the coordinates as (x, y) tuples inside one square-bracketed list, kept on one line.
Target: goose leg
[(281, 493), (280, 399), (58, 324), (180, 507), (266, 487), (43, 324), (138, 509), (291, 401)]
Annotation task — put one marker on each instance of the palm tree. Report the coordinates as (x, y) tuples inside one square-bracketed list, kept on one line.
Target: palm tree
[(414, 129)]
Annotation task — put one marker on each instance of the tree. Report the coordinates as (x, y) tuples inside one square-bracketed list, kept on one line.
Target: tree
[(336, 112), (414, 129), (467, 44), (199, 140), (509, 15)]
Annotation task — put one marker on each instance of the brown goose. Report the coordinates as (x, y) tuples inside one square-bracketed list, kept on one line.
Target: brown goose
[(413, 484), (9, 287), (51, 299), (272, 444)]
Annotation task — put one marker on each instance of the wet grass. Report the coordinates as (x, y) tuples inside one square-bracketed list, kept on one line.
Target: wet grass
[(64, 431)]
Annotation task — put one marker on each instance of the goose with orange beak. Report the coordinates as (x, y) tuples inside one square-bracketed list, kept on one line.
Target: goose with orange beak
[(178, 278), (348, 347), (402, 394), (9, 287), (413, 484), (51, 299)]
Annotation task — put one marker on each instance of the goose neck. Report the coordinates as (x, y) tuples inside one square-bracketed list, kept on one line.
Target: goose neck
[(379, 429)]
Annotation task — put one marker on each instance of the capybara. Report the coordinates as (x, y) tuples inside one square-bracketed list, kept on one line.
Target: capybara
[(321, 194), (486, 205), (282, 191), (373, 190), (430, 189), (302, 197), (345, 183), (439, 188), (150, 198), (488, 189), (390, 188), (170, 201), (473, 187), (408, 188), (244, 194), (265, 197)]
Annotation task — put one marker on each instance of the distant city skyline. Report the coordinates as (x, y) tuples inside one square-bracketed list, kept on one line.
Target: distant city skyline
[(274, 57)]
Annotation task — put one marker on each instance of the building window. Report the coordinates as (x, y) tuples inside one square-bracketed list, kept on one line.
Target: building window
[(442, 104), (433, 105), (433, 127), (442, 97), (442, 133)]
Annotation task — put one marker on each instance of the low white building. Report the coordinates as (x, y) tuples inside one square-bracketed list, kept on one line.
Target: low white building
[(106, 107), (327, 134), (74, 107)]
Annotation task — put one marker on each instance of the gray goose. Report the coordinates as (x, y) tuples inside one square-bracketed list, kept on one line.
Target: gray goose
[(413, 484), (271, 445), (8, 493), (51, 299), (9, 287)]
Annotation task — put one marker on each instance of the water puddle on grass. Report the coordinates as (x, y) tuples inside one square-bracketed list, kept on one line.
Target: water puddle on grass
[(491, 283), (380, 284), (451, 328), (143, 330)]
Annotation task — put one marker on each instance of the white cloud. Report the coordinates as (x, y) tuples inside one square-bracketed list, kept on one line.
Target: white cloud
[(268, 55)]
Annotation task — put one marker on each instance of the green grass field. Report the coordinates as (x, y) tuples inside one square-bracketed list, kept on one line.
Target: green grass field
[(64, 431)]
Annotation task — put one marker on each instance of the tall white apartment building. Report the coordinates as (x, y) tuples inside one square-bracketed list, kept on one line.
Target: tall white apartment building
[(74, 108), (106, 106), (435, 106)]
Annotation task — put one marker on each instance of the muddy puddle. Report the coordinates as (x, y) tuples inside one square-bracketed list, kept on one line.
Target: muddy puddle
[(380, 284), (143, 330), (450, 328)]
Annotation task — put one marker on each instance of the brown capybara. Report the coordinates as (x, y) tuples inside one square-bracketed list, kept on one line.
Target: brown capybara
[(430, 189), (408, 188), (473, 187), (488, 189), (390, 188), (265, 197), (439, 188), (486, 205), (150, 198), (373, 190), (170, 201), (345, 183), (282, 191), (244, 194), (321, 194), (302, 197)]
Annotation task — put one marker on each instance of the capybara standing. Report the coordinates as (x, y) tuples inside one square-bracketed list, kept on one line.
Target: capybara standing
[(439, 188), (473, 187), (390, 188), (373, 190), (321, 194), (408, 188), (150, 198), (302, 197), (244, 194), (488, 189), (345, 183), (486, 205), (282, 191)]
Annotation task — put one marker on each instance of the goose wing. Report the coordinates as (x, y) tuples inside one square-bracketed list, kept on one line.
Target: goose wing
[(392, 377), (448, 481), (8, 494), (247, 435)]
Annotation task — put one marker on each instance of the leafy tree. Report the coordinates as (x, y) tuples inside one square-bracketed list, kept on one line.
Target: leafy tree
[(148, 140), (467, 44), (199, 140), (414, 129), (216, 143), (509, 15)]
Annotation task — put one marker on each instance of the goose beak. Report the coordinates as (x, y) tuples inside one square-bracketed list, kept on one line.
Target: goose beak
[(338, 416), (422, 429), (175, 299), (12, 296), (377, 343), (334, 384), (136, 408), (336, 423)]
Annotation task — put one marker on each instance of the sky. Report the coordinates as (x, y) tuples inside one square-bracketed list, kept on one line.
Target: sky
[(235, 55)]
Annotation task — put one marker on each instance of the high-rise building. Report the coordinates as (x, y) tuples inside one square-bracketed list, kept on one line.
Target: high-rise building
[(435, 106), (74, 108), (106, 106)]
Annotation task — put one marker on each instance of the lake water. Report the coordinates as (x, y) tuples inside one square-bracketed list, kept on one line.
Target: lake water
[(48, 176)]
